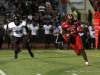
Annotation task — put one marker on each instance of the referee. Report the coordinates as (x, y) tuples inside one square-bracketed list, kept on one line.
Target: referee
[(56, 33)]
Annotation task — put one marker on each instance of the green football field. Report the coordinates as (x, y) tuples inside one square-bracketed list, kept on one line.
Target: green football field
[(49, 62)]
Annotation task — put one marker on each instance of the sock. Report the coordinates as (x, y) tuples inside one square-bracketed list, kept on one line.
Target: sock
[(86, 60), (56, 45), (29, 49)]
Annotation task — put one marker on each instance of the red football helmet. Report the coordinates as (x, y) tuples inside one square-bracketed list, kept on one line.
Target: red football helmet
[(69, 16)]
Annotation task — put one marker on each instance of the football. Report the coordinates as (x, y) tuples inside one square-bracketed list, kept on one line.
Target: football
[(67, 35)]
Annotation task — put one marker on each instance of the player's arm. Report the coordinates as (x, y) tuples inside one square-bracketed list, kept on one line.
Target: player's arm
[(8, 32), (27, 30), (80, 29), (65, 35)]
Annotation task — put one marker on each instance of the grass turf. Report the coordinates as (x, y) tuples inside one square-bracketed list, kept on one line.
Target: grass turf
[(49, 62)]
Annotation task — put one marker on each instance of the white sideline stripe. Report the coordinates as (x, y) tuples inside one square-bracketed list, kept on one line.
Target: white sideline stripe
[(74, 74), (38, 74), (39, 51), (2, 73), (93, 55), (96, 54), (87, 55)]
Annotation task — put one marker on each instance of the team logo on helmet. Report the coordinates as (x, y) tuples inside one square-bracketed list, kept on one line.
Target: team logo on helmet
[(69, 16)]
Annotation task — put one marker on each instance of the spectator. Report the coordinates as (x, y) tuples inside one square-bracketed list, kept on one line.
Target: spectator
[(30, 17), (35, 19), (10, 3), (92, 35), (34, 34), (2, 10), (47, 27), (55, 21), (42, 8), (85, 36), (96, 7), (60, 37), (26, 18), (45, 18), (75, 14), (7, 13), (1, 36), (96, 1), (40, 15), (58, 14), (6, 19), (20, 9), (89, 16), (6, 28), (63, 4), (17, 12), (16, 3), (41, 22), (40, 1), (48, 6), (56, 33)]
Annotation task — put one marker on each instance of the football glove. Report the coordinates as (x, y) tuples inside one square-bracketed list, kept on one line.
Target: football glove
[(65, 38)]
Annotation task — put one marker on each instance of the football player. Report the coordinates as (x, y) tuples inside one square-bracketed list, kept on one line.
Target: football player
[(6, 28), (33, 33), (70, 32), (60, 37), (47, 27), (17, 34)]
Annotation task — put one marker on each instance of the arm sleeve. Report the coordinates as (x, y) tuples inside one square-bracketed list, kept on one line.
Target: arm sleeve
[(78, 23), (80, 31)]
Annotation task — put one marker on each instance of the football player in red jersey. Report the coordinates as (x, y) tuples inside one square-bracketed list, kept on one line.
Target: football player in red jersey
[(70, 33)]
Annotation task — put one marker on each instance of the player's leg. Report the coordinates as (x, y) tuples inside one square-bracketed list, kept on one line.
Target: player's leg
[(75, 48), (56, 42), (46, 41), (80, 46), (16, 48), (48, 38), (25, 41), (31, 41), (9, 41), (34, 41)]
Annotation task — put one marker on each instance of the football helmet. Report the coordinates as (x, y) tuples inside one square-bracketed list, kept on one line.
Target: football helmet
[(70, 18), (16, 19)]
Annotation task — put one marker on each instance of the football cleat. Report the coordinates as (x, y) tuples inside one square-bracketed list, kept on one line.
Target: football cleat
[(87, 64), (15, 57), (32, 55), (19, 51)]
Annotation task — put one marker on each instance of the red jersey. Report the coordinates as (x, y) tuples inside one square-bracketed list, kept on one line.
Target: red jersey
[(63, 1), (70, 28)]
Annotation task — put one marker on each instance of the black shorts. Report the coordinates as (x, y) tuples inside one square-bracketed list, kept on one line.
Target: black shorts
[(92, 40), (60, 37), (56, 39)]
